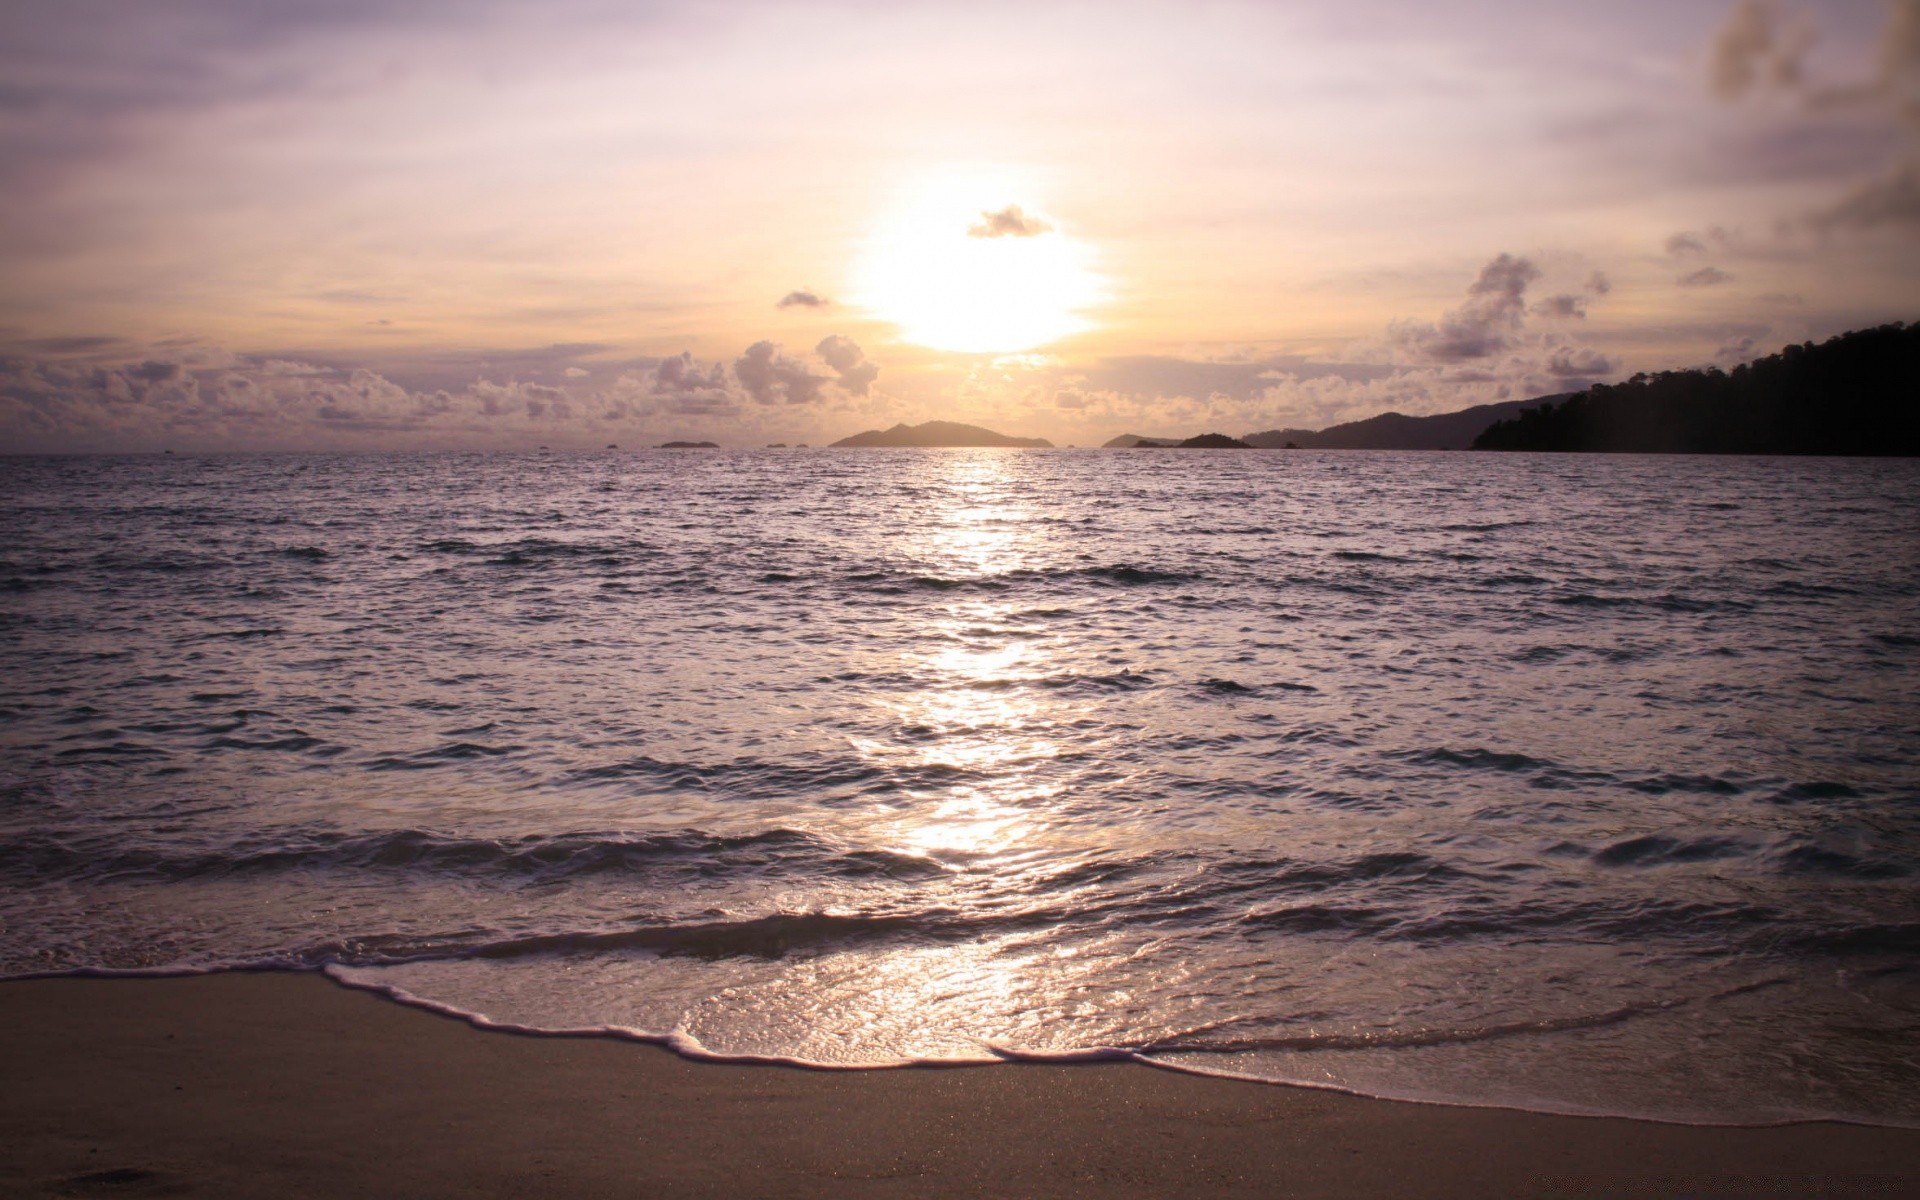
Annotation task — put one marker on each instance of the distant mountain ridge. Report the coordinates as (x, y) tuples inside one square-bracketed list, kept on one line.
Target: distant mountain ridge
[(1396, 431), (940, 433), (1388, 431)]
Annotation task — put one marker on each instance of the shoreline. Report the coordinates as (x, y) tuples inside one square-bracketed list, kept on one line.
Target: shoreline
[(294, 1084)]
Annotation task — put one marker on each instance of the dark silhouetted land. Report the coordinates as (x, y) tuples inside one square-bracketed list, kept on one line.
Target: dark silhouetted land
[(1388, 431), (689, 445), (1206, 441), (939, 433), (277, 1085), (1396, 431), (1855, 394)]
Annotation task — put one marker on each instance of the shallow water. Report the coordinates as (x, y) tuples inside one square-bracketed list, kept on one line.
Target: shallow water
[(1574, 783)]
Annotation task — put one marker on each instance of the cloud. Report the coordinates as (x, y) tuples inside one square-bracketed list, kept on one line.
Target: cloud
[(1891, 200), (1755, 49), (1705, 277), (1008, 222), (1566, 306), (76, 346), (1162, 375), (682, 387), (1896, 78), (849, 362), (1485, 324), (1598, 283), (803, 299), (1682, 244), (536, 400), (771, 377), (1578, 362), (1900, 49), (156, 372), (194, 395)]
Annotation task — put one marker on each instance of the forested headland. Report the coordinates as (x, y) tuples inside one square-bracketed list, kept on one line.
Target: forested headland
[(1855, 394)]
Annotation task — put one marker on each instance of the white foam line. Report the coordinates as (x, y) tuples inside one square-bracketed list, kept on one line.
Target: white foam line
[(679, 1041), (687, 1046)]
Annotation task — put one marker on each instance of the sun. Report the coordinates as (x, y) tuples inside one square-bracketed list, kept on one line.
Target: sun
[(969, 262)]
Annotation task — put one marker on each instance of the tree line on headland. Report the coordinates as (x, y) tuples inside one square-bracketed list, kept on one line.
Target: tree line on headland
[(1855, 394)]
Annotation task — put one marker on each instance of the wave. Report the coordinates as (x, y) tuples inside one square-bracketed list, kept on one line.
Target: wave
[(40, 856), (1668, 602)]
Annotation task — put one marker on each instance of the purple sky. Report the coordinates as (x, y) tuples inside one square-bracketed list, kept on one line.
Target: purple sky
[(264, 224)]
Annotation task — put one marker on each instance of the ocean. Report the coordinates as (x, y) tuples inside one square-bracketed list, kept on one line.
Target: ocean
[(1580, 784)]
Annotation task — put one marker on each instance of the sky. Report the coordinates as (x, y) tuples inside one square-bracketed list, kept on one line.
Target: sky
[(420, 224)]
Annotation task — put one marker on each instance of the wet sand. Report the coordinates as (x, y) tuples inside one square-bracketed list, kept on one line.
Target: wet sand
[(290, 1085)]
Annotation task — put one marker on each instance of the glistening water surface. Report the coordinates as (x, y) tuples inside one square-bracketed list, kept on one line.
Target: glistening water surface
[(1573, 783)]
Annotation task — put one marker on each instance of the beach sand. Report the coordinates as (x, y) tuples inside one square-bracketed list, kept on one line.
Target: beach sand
[(290, 1085)]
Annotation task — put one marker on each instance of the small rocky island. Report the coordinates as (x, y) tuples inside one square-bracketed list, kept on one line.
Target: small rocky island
[(1206, 441), (940, 434), (689, 445)]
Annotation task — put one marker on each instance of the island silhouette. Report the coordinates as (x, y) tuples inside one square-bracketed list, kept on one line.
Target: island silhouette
[(940, 433), (1206, 441), (1388, 431)]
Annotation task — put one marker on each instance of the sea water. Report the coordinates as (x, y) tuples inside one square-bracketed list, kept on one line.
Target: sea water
[(1575, 783)]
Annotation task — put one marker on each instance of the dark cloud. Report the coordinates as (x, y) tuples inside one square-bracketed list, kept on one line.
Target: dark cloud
[(1896, 78), (1755, 48), (1682, 244), (1893, 200), (1704, 277), (849, 362), (803, 299), (1008, 222), (770, 377), (155, 372), (1598, 283), (1485, 324), (1566, 306)]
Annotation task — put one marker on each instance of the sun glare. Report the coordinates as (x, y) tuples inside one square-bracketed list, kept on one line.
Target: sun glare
[(972, 264)]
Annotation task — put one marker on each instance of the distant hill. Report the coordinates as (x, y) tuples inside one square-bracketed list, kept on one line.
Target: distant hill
[(1206, 441), (689, 446), (1128, 441), (1395, 431), (1855, 394), (939, 433)]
